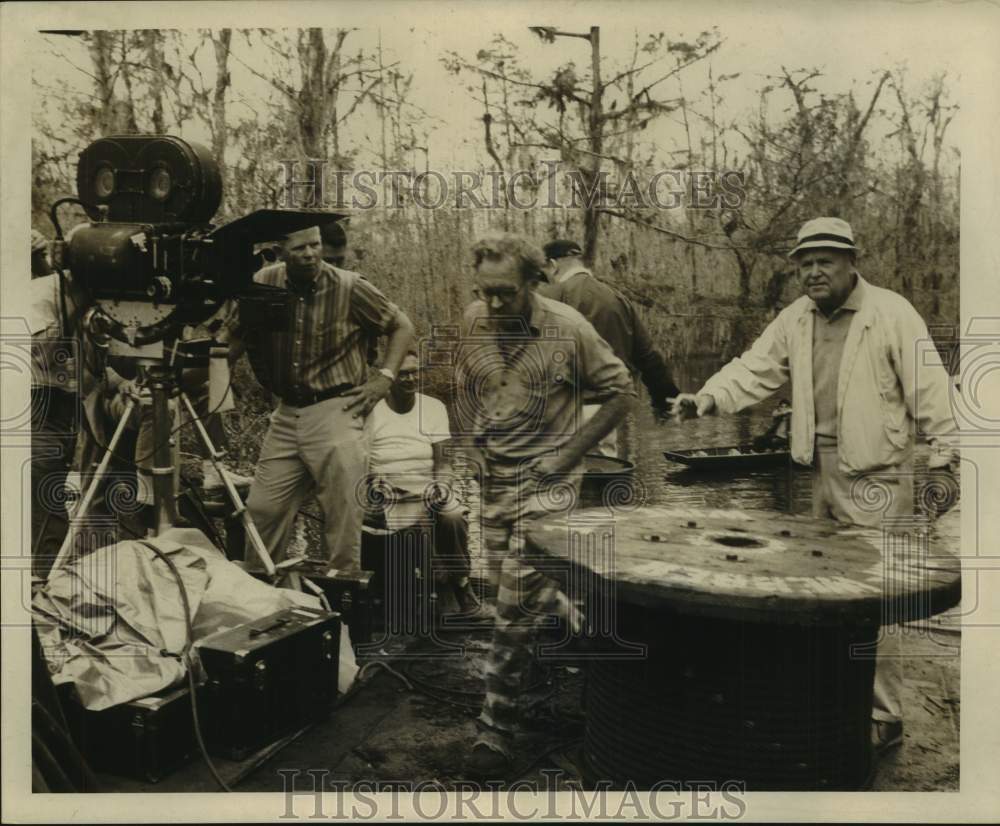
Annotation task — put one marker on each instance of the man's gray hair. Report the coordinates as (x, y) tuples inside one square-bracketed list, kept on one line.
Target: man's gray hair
[(500, 245)]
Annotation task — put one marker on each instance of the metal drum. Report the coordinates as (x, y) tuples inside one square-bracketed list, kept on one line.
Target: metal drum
[(735, 646)]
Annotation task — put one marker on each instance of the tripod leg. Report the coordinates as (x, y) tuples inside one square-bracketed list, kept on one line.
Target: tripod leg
[(163, 460), (81, 511), (234, 496)]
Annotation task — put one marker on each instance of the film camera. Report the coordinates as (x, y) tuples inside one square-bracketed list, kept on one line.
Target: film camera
[(152, 263), (150, 258)]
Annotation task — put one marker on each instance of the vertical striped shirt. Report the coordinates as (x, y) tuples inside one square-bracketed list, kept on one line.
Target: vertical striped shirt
[(325, 341)]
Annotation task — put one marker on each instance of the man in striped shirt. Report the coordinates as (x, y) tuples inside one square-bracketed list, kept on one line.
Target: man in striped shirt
[(316, 367)]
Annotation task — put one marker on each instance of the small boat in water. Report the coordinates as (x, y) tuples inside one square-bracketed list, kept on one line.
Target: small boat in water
[(600, 472), (728, 457)]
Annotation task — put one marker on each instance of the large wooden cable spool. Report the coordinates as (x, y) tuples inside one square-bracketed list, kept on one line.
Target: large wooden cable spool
[(759, 632)]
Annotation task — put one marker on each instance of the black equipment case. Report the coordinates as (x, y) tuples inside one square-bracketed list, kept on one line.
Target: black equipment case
[(268, 678), (349, 594), (145, 739)]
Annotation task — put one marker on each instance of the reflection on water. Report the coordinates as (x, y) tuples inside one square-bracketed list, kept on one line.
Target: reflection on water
[(780, 488), (669, 483)]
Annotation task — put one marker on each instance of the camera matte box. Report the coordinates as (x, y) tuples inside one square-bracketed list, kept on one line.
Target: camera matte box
[(268, 678)]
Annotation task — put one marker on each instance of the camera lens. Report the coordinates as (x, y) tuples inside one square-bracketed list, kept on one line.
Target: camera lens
[(104, 182), (160, 184)]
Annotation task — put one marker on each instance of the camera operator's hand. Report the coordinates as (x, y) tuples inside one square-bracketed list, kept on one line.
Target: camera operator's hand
[(364, 398), (138, 393)]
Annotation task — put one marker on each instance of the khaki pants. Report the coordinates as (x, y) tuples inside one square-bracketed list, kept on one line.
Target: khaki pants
[(865, 500), (320, 448)]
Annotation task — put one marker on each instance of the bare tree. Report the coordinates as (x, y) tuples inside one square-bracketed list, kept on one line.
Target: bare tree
[(585, 115)]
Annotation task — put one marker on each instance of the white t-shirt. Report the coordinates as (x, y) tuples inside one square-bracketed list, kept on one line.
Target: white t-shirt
[(400, 443)]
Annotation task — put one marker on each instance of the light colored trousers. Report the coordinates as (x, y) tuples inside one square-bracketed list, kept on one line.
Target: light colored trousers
[(865, 501), (317, 449)]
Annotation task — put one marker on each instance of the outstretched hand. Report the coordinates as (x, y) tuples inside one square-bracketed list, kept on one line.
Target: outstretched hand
[(363, 398), (691, 405)]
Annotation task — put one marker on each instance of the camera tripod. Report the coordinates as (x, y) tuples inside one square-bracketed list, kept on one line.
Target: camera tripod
[(159, 378)]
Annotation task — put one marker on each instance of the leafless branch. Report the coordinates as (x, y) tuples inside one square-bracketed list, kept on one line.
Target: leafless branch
[(669, 232)]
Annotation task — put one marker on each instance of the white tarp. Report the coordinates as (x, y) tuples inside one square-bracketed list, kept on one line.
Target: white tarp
[(111, 622)]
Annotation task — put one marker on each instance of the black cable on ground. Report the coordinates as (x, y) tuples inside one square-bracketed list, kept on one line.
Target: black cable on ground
[(186, 660), (56, 750), (49, 727), (49, 767)]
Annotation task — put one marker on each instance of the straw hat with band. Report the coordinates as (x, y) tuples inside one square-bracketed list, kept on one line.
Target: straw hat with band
[(824, 233)]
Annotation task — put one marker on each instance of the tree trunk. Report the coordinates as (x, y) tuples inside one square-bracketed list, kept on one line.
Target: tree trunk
[(153, 42), (333, 77), (220, 132), (591, 215), (311, 111), (126, 107), (100, 45)]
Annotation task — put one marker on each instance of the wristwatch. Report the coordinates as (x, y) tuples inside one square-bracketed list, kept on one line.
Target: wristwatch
[(385, 371)]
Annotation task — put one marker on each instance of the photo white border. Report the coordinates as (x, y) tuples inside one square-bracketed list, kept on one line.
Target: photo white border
[(978, 95)]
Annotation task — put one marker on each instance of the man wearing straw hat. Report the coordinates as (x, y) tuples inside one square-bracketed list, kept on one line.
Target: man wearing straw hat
[(849, 349)]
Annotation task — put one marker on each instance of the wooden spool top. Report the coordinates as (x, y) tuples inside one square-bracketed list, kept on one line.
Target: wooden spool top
[(759, 566)]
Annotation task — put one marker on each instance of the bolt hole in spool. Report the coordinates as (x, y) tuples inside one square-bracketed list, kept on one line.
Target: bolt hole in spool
[(739, 541)]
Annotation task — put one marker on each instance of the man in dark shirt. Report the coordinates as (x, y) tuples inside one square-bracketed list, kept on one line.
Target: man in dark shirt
[(334, 243), (616, 321), (316, 367)]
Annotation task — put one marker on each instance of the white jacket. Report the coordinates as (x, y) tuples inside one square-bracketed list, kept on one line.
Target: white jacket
[(890, 376)]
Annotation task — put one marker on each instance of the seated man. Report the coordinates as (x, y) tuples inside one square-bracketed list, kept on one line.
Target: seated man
[(408, 433), (776, 436)]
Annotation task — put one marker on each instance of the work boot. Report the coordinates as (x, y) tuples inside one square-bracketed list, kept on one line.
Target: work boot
[(469, 610), (465, 595), (886, 735), (490, 757)]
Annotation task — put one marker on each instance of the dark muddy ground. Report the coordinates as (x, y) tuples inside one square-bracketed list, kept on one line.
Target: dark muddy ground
[(414, 720)]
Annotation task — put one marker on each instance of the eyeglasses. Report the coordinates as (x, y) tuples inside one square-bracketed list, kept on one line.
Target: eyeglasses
[(505, 294)]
